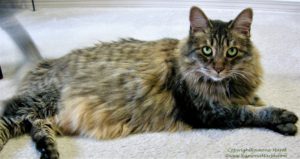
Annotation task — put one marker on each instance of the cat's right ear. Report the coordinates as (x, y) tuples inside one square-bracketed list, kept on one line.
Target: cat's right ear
[(198, 20)]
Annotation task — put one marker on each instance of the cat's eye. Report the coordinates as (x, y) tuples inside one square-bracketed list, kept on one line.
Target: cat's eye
[(231, 52), (207, 51)]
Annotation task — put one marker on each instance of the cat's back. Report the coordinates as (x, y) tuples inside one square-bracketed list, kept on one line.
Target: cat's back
[(124, 51), (118, 66)]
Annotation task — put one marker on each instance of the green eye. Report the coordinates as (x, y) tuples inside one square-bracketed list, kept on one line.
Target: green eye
[(231, 52), (207, 51)]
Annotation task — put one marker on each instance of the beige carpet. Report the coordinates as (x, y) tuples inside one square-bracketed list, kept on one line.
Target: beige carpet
[(57, 31)]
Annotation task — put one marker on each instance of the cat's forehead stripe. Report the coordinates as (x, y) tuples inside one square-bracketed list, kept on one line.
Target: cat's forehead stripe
[(231, 43), (209, 42), (218, 39)]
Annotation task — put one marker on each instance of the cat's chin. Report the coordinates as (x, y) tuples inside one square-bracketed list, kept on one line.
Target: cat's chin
[(216, 78)]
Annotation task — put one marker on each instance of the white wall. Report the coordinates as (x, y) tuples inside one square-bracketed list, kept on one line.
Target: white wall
[(265, 5)]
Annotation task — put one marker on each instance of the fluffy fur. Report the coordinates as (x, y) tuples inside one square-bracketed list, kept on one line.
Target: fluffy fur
[(120, 88)]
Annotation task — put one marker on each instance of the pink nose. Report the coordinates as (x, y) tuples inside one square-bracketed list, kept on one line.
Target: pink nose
[(219, 68)]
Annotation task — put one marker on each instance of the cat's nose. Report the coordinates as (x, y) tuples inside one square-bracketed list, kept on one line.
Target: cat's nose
[(219, 68)]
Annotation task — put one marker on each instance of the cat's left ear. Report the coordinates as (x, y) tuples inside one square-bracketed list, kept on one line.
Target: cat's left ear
[(242, 23)]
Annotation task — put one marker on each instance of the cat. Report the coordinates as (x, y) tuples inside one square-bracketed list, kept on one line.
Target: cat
[(114, 89)]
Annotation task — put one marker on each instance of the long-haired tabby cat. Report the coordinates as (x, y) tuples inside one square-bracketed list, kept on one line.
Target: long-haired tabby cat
[(111, 90)]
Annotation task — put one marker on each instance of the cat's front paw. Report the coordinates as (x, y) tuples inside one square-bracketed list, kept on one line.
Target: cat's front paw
[(281, 120), (286, 129), (47, 155)]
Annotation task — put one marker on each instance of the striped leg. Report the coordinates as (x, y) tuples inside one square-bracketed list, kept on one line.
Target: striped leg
[(276, 119), (11, 127), (43, 135)]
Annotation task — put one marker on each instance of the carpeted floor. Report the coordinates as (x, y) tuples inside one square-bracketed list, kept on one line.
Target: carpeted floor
[(57, 31)]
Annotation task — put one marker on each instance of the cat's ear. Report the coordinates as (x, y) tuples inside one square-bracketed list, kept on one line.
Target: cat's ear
[(198, 20), (242, 23)]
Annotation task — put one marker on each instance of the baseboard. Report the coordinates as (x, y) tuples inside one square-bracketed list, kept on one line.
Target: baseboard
[(263, 5)]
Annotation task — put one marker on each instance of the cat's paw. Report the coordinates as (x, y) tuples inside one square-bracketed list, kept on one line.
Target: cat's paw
[(286, 129), (50, 155), (287, 117), (1, 144), (282, 121)]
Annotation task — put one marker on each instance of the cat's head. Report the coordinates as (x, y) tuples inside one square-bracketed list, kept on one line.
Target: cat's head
[(217, 50)]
